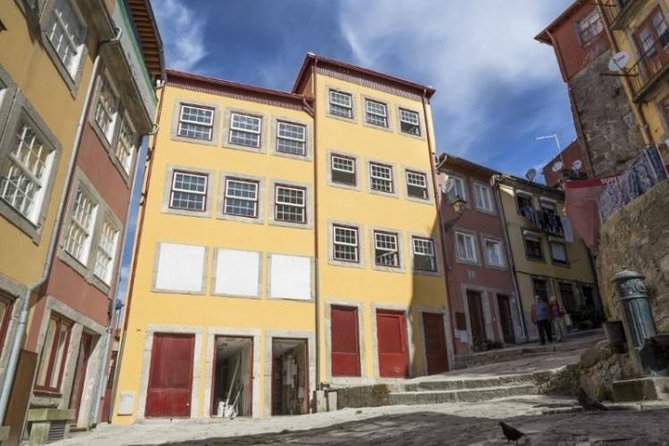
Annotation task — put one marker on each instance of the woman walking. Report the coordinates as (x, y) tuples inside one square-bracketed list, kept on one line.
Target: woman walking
[(556, 317)]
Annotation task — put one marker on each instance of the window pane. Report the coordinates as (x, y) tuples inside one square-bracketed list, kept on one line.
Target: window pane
[(290, 204), (189, 191), (196, 122), (65, 32), (345, 244), (241, 198), (106, 252), (341, 104), (82, 220), (386, 249), (376, 113), (59, 356), (291, 138), (381, 178)]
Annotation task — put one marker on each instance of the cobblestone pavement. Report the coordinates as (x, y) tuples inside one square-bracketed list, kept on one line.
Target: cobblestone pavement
[(429, 428)]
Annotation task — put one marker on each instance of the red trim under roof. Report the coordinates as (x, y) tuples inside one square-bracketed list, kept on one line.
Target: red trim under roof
[(311, 58), (544, 36), (195, 79)]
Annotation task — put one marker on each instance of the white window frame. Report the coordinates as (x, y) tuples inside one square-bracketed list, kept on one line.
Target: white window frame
[(552, 241), (302, 208), (301, 141), (237, 131), (106, 251), (207, 126), (345, 159), (203, 194), (29, 172), (419, 253), (411, 182), (79, 248), (535, 237), (500, 252), (380, 250), (481, 192), (335, 104), (590, 26), (228, 196), (372, 116), (379, 178), (465, 254), (61, 12), (459, 183), (107, 108), (403, 113), (356, 245), (125, 146)]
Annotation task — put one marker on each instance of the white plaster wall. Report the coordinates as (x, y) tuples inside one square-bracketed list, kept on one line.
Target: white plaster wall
[(180, 267), (290, 277), (237, 273)]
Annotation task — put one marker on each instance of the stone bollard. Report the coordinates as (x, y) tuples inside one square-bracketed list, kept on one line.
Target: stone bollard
[(637, 315)]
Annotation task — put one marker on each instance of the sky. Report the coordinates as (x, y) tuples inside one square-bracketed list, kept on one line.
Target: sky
[(498, 89)]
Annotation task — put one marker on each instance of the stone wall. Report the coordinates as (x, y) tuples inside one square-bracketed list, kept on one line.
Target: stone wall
[(637, 237), (364, 396), (609, 128)]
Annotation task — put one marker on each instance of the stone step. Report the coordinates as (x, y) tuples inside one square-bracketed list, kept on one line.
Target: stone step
[(463, 395), (465, 383)]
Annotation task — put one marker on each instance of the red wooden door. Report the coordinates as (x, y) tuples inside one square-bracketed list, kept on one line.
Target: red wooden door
[(80, 374), (344, 335), (504, 305), (476, 317), (435, 343), (392, 344), (170, 376)]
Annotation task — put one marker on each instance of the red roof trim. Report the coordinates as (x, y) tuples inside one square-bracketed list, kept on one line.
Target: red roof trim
[(544, 36), (225, 84), (311, 58)]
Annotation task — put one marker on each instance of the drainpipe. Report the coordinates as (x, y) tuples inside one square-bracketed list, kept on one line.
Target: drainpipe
[(25, 307), (509, 257), (142, 211), (317, 287), (638, 114), (109, 334), (450, 350)]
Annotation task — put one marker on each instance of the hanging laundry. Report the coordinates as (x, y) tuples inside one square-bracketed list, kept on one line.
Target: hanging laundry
[(567, 230)]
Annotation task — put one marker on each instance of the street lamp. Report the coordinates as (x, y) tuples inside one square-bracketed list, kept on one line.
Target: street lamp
[(459, 205)]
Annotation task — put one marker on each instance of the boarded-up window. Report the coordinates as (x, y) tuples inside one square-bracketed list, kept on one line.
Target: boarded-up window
[(290, 277), (180, 268), (237, 272)]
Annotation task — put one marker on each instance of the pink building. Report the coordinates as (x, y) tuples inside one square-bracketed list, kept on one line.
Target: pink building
[(483, 301)]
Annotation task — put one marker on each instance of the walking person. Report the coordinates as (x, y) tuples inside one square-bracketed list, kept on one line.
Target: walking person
[(556, 317), (541, 317)]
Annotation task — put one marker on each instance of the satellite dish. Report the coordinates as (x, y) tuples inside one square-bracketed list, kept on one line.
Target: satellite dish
[(530, 174), (576, 165), (557, 166), (619, 61), (447, 186)]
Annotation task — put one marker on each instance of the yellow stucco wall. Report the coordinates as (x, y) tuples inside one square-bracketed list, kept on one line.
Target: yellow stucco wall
[(652, 108), (207, 312), (36, 77), (578, 271), (366, 286)]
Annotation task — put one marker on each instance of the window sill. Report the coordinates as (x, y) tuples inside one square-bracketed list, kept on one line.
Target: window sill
[(47, 392), (286, 224)]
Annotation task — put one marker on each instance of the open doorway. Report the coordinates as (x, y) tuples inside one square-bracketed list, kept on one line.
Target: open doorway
[(232, 377), (290, 371)]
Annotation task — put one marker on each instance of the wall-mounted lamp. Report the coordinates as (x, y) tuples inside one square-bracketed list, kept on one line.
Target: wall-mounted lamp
[(459, 205)]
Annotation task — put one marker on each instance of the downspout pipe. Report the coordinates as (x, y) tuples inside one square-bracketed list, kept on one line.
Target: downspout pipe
[(509, 256), (450, 349), (25, 307), (317, 300)]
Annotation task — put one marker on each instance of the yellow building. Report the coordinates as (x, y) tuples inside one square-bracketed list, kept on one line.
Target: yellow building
[(548, 257), (640, 28), (287, 240)]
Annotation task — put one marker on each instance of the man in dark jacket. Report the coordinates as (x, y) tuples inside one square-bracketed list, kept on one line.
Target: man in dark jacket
[(541, 317)]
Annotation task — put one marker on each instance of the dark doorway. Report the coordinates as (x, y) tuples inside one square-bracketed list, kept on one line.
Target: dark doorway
[(290, 377), (476, 317), (392, 344), (505, 319), (85, 349), (344, 337), (232, 380), (170, 376), (435, 343)]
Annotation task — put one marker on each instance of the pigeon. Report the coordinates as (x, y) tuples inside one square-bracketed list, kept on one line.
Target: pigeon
[(510, 432), (587, 402)]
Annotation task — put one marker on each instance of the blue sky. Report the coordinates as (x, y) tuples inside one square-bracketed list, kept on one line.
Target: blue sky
[(497, 88)]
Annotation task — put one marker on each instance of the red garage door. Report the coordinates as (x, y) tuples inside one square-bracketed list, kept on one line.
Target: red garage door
[(344, 336), (171, 376), (435, 344), (392, 341)]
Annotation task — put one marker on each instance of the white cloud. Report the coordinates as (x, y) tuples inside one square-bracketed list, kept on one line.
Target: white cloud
[(465, 49), (182, 31)]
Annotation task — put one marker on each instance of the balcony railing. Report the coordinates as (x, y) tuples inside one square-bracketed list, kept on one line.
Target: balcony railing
[(619, 11), (651, 66)]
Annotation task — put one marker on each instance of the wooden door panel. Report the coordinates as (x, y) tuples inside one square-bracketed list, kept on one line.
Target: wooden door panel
[(476, 317), (344, 338), (505, 319), (171, 376), (392, 345), (435, 343), (80, 374)]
